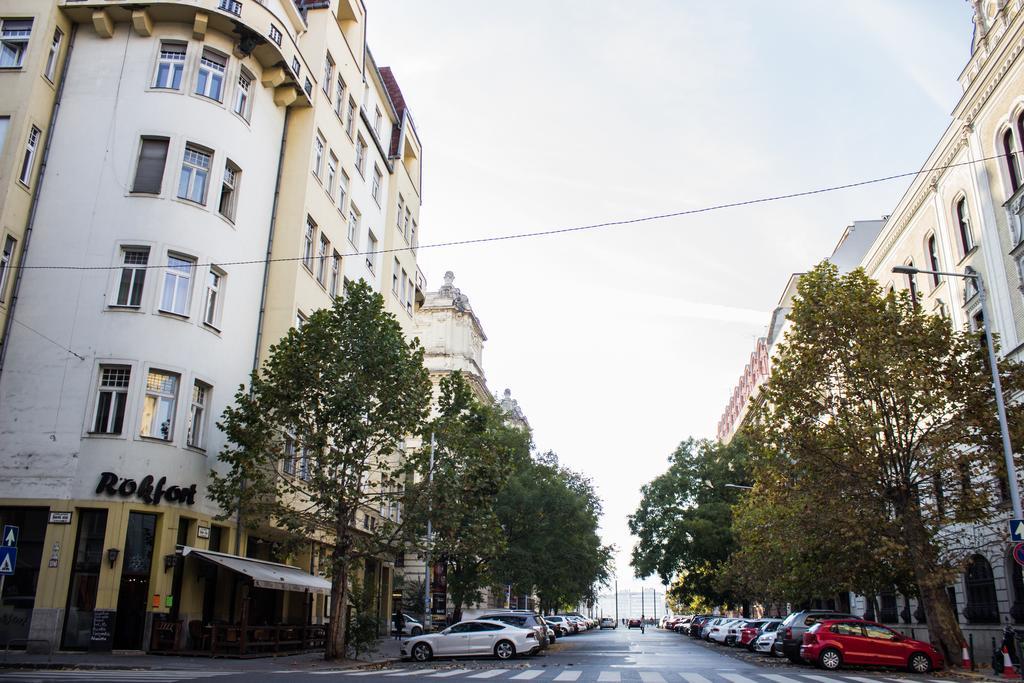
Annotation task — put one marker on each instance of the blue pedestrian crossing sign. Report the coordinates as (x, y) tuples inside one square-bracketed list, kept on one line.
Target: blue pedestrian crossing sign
[(8, 560), (9, 539), (1017, 530)]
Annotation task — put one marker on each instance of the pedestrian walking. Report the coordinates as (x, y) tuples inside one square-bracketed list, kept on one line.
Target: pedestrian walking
[(398, 620)]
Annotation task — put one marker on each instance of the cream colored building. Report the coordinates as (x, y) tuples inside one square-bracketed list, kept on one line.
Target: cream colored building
[(184, 152)]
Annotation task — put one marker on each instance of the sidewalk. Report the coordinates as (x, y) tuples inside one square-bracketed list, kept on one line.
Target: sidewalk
[(388, 649)]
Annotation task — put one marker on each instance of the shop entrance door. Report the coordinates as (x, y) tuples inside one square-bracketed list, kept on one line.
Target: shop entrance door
[(134, 592)]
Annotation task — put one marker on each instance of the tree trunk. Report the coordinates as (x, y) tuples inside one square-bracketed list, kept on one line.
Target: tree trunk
[(334, 647), (943, 628)]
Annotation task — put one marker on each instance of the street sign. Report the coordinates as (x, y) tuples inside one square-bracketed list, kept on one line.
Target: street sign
[(9, 538), (1017, 530), (1018, 553), (9, 558), (60, 518)]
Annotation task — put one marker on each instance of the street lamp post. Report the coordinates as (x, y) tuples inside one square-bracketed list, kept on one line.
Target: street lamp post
[(997, 385)]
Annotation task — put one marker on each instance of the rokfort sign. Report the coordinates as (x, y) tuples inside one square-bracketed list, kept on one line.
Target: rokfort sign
[(145, 489)]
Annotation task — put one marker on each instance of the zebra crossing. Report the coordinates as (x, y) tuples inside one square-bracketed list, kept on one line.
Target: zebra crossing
[(637, 674), (110, 675)]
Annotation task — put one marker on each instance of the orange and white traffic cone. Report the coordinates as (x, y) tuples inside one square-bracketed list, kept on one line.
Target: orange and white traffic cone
[(965, 658), (1008, 670)]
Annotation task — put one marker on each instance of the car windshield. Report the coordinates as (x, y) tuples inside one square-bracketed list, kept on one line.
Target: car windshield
[(771, 626)]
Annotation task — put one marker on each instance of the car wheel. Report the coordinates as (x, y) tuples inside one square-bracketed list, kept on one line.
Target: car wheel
[(421, 652), (919, 663), (416, 630), (830, 659), (504, 650)]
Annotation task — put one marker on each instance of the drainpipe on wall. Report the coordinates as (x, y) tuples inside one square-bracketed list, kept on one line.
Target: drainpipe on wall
[(33, 207)]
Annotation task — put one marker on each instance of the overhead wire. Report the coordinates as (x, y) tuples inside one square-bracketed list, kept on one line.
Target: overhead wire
[(551, 231)]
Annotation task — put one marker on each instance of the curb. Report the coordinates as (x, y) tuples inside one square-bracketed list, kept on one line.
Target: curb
[(90, 666)]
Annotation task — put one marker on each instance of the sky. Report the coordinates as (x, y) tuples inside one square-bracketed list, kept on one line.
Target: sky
[(621, 342)]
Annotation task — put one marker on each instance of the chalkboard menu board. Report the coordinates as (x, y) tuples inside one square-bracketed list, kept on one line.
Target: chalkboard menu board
[(102, 637)]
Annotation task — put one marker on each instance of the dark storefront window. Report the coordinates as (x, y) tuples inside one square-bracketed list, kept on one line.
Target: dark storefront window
[(132, 598), (19, 593), (216, 534), (85, 577), (889, 607), (982, 605)]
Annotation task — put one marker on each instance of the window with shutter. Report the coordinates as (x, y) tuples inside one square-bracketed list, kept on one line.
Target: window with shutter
[(149, 173)]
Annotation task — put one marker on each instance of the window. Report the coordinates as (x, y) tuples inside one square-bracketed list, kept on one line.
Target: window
[(342, 192), (1012, 162), (878, 632), (149, 173), (177, 285), (6, 259), (353, 225), (170, 66), (212, 298), (243, 95), (394, 277), (339, 96), (911, 278), (412, 234), (307, 244), (401, 208), (195, 169), (361, 156), (847, 629), (328, 75), (332, 173), (318, 154), (296, 67), (228, 191), (408, 219), (288, 465), (14, 35), (371, 248), (133, 276), (275, 34), (963, 221), (335, 271), (933, 260), (303, 464), (408, 301), (300, 319), (210, 81), (51, 58), (375, 187), (31, 145), (404, 286), (350, 124), (197, 415), (377, 118), (111, 399), (158, 406), (982, 603), (321, 259)]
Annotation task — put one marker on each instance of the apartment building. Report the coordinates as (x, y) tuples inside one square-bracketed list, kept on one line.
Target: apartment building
[(192, 140)]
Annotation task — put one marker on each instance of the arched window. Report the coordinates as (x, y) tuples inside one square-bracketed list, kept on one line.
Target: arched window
[(933, 260), (982, 604), (1012, 163), (911, 279), (963, 221), (1017, 583)]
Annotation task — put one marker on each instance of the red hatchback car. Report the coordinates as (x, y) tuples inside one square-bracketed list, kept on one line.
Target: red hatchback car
[(833, 643)]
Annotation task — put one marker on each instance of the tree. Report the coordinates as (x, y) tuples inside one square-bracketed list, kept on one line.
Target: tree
[(475, 454), (894, 410), (313, 442), (684, 520), (549, 511)]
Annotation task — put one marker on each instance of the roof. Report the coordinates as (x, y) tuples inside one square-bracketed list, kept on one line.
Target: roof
[(282, 577)]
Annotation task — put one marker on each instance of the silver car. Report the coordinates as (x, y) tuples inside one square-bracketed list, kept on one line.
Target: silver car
[(473, 638)]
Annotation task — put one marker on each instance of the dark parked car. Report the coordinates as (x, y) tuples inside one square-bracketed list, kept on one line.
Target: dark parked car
[(697, 623), (791, 631), (830, 644), (633, 623)]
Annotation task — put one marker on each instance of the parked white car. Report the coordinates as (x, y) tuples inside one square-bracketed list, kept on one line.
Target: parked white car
[(411, 627), (720, 631), (764, 642), (473, 638)]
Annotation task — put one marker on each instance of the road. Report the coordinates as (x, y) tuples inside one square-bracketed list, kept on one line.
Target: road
[(610, 656)]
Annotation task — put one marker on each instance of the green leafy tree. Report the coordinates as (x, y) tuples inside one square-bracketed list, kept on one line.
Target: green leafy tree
[(549, 511), (313, 442), (475, 454), (893, 411), (683, 524)]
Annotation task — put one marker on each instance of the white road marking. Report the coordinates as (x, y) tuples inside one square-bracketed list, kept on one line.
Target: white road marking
[(452, 672), (861, 679), (374, 672), (609, 677), (490, 673), (822, 679), (410, 672), (737, 678), (779, 678), (527, 675), (568, 676), (651, 677), (693, 678)]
